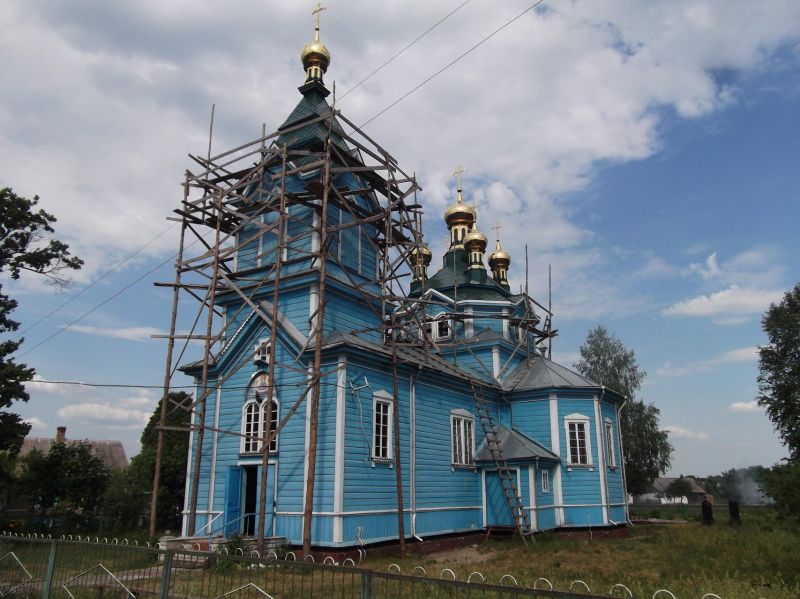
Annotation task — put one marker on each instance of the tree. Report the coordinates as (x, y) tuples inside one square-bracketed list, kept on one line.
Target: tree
[(173, 460), (779, 369), (66, 484), (605, 360), (779, 393), (26, 244), (782, 483), (680, 487)]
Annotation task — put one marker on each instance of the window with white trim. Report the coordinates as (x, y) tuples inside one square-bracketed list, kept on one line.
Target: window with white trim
[(251, 427), (611, 458), (442, 329), (254, 416), (545, 481), (261, 355), (578, 442), (382, 413), (462, 438), (437, 329)]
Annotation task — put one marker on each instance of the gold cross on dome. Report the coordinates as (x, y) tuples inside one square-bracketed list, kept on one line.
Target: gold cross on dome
[(317, 10), (460, 170), (496, 228)]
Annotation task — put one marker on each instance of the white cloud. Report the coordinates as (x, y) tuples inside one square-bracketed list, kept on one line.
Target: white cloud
[(745, 406), (708, 270), (685, 433), (127, 333), (729, 306), (37, 424), (743, 354), (105, 413), (755, 267), (38, 386), (734, 356)]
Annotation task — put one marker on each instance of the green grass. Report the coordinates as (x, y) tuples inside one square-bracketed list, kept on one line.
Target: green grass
[(761, 558)]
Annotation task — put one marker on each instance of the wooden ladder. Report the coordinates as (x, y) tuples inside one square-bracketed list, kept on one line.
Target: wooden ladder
[(507, 481)]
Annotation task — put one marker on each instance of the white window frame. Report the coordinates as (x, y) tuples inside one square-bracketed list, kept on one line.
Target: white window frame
[(252, 398), (545, 481), (383, 398), (611, 454), (585, 422), (443, 336), (248, 443), (261, 353), (431, 327), (462, 439)]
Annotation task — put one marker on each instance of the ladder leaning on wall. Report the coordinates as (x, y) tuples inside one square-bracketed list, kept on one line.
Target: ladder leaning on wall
[(513, 499)]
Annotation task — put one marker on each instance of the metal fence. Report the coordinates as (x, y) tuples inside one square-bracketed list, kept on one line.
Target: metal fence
[(36, 567)]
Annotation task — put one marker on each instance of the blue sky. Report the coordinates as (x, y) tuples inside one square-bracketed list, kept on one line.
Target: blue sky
[(648, 152)]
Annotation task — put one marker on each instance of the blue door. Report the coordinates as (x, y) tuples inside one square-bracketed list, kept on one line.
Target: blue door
[(233, 501), (497, 511), (242, 494)]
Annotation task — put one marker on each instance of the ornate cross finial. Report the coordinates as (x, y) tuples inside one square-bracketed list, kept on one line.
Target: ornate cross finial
[(496, 228), (316, 12), (460, 170)]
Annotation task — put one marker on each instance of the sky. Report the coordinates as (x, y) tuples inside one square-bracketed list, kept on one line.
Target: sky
[(646, 151)]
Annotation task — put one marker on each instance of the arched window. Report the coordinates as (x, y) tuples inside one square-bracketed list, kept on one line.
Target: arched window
[(253, 415)]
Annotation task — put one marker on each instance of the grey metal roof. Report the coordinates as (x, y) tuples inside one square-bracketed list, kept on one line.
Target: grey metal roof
[(661, 484), (515, 446), (542, 373)]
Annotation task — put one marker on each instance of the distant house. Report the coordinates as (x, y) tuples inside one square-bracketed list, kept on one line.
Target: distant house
[(658, 494), (111, 452)]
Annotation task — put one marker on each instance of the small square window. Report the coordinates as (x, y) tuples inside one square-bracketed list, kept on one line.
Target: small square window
[(261, 355), (443, 329)]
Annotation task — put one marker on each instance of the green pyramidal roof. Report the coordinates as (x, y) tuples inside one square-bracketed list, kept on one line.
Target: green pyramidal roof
[(454, 273), (312, 106)]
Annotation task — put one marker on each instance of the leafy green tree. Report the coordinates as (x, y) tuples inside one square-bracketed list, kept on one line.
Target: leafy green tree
[(173, 462), (26, 244), (782, 483), (605, 360), (680, 487), (124, 504), (65, 485), (779, 369)]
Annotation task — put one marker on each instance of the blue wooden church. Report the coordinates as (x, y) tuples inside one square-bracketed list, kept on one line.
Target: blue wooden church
[(334, 405)]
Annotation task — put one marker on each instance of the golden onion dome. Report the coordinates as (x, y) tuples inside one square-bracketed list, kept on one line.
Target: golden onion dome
[(460, 212), (499, 257), (475, 239), (423, 251), (315, 54)]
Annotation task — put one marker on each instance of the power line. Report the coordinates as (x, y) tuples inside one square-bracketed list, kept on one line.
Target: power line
[(100, 305), (419, 37), (454, 61), (96, 281)]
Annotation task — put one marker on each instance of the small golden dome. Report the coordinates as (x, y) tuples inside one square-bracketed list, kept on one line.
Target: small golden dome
[(315, 54), (460, 213), (426, 254), (475, 240), (499, 257)]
